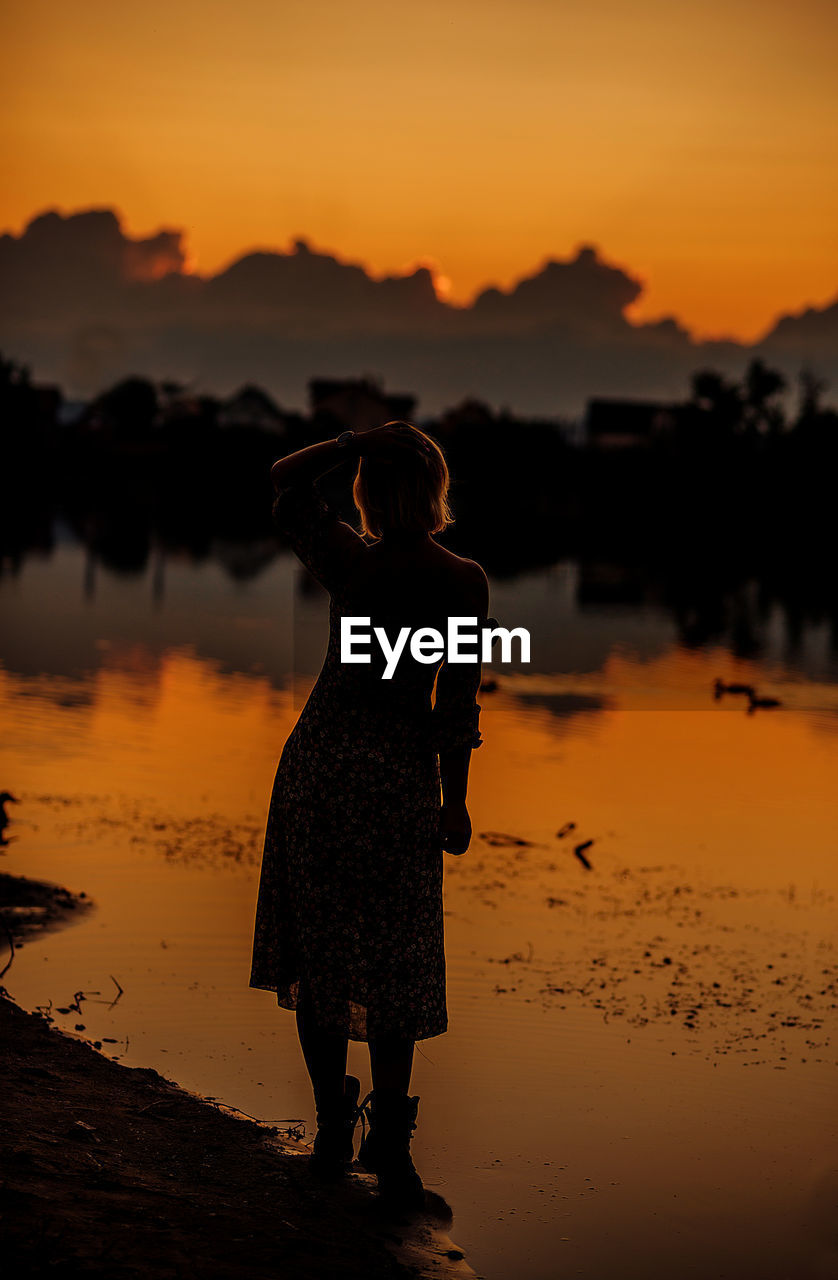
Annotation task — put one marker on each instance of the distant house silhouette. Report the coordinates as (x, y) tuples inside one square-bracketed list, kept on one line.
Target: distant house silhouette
[(252, 407), (626, 424), (355, 404), (468, 413)]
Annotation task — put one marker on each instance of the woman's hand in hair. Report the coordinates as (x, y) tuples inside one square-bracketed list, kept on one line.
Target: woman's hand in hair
[(455, 828), (385, 441)]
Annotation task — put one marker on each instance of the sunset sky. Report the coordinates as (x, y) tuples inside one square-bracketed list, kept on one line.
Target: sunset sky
[(696, 144)]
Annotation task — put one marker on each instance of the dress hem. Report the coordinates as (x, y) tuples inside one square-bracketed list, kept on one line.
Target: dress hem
[(290, 1003)]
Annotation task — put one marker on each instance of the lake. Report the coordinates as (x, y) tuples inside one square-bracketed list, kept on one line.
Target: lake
[(640, 1073)]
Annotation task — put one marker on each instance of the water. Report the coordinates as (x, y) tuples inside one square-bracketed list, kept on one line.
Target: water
[(639, 1077)]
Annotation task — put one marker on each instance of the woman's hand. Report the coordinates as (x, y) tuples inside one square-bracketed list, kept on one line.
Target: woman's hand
[(454, 828), (383, 441)]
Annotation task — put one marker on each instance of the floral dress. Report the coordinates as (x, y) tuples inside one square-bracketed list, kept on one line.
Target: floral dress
[(350, 893)]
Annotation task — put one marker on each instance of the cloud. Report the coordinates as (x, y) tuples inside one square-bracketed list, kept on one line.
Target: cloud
[(584, 294), (80, 261), (304, 290), (811, 331), (84, 303)]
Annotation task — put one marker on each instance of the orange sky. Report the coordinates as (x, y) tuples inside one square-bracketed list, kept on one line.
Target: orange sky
[(696, 142)]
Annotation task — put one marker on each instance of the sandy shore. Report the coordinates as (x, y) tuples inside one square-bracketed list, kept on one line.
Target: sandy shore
[(114, 1171)]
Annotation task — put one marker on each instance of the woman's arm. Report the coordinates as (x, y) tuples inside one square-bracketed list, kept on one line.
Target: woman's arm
[(307, 464), (455, 823)]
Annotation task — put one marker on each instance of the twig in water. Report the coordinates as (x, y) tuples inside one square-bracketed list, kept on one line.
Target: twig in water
[(78, 996), (295, 1131), (580, 853), (228, 1108)]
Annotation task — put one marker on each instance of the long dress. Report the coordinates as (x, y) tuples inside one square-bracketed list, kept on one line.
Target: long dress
[(350, 893)]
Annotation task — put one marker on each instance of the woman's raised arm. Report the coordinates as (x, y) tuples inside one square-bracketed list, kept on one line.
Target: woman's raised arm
[(307, 464)]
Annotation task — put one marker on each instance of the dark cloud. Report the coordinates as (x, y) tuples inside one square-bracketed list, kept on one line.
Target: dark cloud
[(585, 294), (79, 262), (304, 290), (85, 304), (811, 330)]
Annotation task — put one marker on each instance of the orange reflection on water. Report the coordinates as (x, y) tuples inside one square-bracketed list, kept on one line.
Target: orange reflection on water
[(713, 787), (735, 794), (577, 1085), (176, 728)]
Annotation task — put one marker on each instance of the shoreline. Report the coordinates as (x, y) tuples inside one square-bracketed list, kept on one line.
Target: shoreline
[(116, 1171)]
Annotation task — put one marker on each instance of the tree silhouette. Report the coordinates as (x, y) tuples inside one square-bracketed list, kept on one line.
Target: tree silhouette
[(719, 399), (762, 414), (128, 407), (811, 390)]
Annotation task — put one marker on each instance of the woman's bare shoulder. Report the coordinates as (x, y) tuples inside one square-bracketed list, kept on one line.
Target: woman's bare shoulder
[(468, 576)]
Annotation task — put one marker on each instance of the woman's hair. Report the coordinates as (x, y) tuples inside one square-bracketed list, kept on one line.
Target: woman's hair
[(405, 489)]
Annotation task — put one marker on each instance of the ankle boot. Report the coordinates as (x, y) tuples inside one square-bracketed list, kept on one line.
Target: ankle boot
[(334, 1144), (385, 1148)]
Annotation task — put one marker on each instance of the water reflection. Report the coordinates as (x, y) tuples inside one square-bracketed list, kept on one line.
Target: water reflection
[(143, 715), (639, 990), (111, 594)]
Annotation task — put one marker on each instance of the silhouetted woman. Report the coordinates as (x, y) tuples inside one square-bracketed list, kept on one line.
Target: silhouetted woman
[(370, 789)]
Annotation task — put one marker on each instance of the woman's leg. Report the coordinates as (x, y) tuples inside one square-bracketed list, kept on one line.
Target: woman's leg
[(391, 1063), (385, 1150), (324, 1053)]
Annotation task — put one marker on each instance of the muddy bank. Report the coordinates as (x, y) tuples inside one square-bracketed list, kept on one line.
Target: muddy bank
[(115, 1171)]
